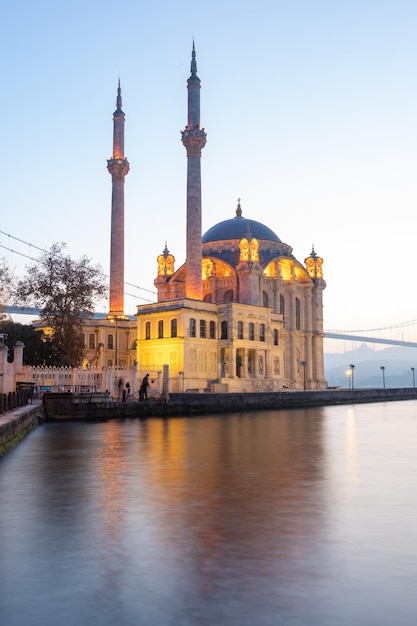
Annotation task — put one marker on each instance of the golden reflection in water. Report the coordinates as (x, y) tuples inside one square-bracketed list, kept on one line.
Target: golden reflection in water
[(236, 481)]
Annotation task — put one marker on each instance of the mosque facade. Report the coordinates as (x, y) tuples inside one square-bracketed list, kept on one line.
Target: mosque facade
[(242, 314)]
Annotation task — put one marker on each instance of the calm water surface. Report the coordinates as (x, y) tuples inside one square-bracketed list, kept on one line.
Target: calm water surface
[(302, 517)]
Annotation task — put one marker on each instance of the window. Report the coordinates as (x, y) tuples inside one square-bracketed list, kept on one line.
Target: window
[(265, 298), (240, 330), (147, 330), (174, 328), (276, 337), (83, 344), (261, 332), (212, 330), (297, 314), (202, 328), (281, 305), (110, 342), (207, 297), (251, 331), (160, 329), (92, 341), (228, 296), (223, 330), (193, 326)]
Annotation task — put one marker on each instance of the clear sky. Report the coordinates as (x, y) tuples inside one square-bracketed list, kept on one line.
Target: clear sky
[(310, 109)]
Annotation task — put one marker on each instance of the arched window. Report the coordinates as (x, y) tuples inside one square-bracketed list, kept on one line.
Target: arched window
[(297, 314), (212, 330), (282, 305), (82, 338), (207, 297), (110, 342), (276, 337), (174, 327), (240, 330), (160, 329), (91, 341), (228, 296), (202, 328), (251, 331), (265, 299), (223, 330), (193, 327), (261, 332), (147, 330)]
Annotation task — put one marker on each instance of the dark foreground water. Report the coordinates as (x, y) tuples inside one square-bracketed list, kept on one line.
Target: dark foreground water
[(302, 517)]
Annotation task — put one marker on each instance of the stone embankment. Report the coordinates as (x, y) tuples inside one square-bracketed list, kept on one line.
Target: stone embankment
[(66, 406), (61, 406), (15, 424)]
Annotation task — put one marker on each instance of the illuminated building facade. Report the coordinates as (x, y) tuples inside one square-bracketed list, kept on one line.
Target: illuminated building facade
[(241, 314)]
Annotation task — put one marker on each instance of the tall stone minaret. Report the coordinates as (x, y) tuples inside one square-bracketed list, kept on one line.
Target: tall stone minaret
[(194, 139), (118, 167)]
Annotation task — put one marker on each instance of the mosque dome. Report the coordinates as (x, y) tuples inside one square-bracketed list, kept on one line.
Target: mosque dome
[(238, 227)]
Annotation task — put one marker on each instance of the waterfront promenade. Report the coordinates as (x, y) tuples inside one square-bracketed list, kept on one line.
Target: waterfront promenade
[(70, 407)]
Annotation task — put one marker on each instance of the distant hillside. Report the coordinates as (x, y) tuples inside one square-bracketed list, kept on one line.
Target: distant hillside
[(397, 362)]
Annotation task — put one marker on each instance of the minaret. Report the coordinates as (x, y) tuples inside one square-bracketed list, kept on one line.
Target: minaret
[(194, 139), (118, 167)]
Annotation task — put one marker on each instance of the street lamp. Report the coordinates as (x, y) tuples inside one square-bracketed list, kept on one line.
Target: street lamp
[(414, 380), (304, 363), (383, 375), (352, 369)]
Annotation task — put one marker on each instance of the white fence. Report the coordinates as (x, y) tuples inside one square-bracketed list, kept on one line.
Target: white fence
[(121, 382)]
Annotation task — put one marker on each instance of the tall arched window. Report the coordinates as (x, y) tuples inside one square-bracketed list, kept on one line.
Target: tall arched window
[(228, 296), (207, 297), (261, 332), (91, 341), (202, 328), (251, 331), (110, 342), (174, 327), (240, 330), (282, 305), (212, 330), (276, 337), (193, 326), (297, 314), (160, 329), (223, 330), (265, 299), (147, 330)]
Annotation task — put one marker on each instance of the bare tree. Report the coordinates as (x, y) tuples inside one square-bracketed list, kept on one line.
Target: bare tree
[(66, 291), (5, 288)]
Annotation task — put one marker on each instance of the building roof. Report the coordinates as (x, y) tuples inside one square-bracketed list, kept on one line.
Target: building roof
[(237, 228)]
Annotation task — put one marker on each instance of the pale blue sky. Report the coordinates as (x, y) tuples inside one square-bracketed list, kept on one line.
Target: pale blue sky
[(310, 110)]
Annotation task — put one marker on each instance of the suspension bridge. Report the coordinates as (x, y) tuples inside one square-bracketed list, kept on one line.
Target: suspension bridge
[(402, 334)]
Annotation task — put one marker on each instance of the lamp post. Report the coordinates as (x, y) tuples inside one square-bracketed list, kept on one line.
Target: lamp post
[(414, 380), (304, 363), (352, 369), (383, 375)]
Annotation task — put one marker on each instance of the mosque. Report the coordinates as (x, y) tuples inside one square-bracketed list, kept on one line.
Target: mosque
[(242, 314)]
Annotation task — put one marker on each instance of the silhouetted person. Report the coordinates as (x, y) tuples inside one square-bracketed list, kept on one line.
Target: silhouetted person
[(143, 390)]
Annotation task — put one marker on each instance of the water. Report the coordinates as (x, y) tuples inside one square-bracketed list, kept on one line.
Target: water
[(303, 517)]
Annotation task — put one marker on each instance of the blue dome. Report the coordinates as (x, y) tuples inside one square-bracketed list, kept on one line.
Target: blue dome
[(237, 228)]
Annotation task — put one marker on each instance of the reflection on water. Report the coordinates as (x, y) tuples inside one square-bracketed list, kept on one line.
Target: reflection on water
[(290, 517)]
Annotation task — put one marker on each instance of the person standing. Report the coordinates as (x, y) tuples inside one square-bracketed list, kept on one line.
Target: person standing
[(143, 391)]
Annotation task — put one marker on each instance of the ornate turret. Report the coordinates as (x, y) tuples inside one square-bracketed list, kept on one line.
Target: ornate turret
[(194, 140), (314, 266), (118, 167)]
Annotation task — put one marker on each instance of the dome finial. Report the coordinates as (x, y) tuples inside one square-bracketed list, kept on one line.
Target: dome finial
[(239, 209)]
